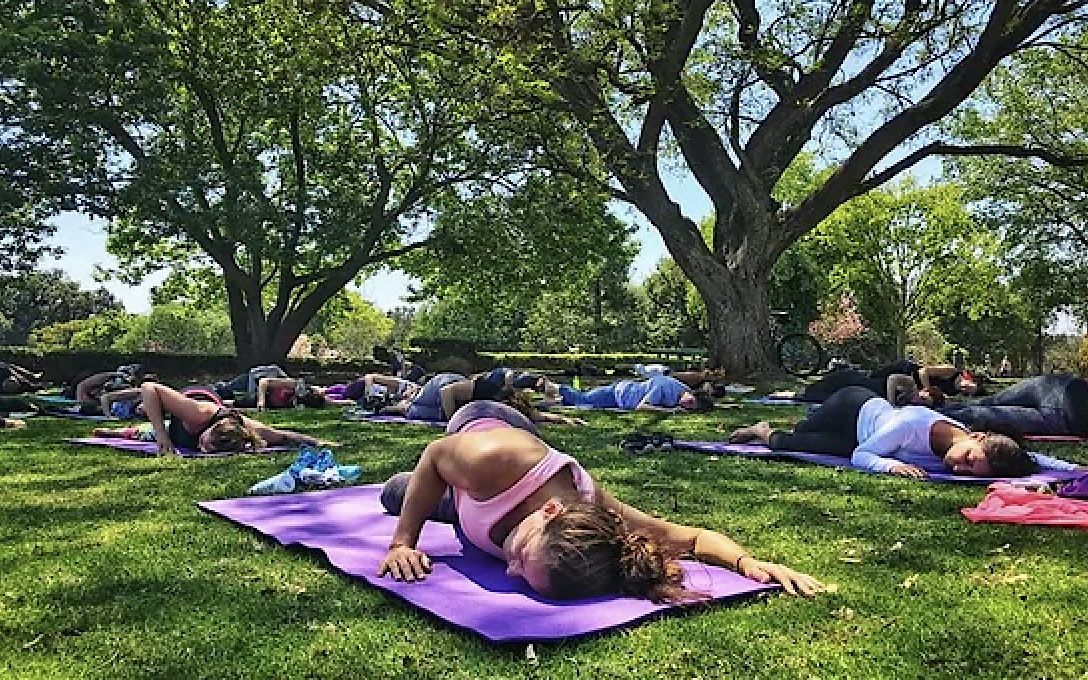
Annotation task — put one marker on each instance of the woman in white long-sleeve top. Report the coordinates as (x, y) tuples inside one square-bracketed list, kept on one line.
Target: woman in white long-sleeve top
[(858, 423)]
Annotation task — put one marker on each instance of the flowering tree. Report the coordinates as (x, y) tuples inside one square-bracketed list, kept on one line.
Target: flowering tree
[(839, 323)]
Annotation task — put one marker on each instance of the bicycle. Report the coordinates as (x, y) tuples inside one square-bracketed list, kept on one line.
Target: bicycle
[(798, 353)]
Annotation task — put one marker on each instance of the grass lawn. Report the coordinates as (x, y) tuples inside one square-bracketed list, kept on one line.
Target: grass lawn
[(109, 570)]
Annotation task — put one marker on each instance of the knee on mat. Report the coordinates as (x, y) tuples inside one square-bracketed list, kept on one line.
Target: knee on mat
[(393, 491)]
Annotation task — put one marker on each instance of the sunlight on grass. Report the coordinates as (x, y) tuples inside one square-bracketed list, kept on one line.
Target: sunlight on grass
[(111, 571)]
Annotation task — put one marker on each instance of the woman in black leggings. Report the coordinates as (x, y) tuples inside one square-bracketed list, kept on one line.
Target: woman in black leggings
[(910, 441), (1046, 404), (900, 382)]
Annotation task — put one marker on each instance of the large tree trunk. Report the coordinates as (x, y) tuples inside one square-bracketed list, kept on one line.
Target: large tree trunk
[(740, 338), (254, 342), (272, 349), (1040, 347)]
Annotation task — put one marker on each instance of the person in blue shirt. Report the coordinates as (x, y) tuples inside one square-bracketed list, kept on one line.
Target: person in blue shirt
[(657, 393)]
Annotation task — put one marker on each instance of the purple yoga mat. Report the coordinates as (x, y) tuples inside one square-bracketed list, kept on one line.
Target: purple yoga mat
[(758, 451), (79, 416), (1056, 438), (777, 401), (375, 418), (468, 588), (152, 449)]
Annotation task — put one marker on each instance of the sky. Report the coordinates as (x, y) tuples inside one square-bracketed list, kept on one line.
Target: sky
[(84, 242)]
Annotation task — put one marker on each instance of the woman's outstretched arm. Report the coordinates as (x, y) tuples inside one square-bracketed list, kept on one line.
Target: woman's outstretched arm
[(90, 383), (712, 547), (455, 395), (555, 418), (274, 436)]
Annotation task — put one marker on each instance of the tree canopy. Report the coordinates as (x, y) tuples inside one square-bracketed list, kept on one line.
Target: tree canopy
[(35, 299), (738, 90), (288, 147)]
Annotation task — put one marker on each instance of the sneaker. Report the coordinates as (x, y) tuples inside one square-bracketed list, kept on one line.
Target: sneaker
[(636, 443), (307, 457), (325, 461), (350, 473), (662, 441), (312, 477)]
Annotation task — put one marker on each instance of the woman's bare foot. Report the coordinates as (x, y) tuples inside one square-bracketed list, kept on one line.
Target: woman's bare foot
[(760, 432), (14, 423)]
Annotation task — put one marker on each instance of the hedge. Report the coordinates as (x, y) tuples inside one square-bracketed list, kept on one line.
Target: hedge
[(63, 366), (582, 362)]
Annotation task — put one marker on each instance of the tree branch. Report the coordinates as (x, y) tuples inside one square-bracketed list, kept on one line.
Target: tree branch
[(943, 149)]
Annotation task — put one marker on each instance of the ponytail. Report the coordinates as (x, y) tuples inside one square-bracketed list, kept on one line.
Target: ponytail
[(232, 434), (518, 400), (590, 552)]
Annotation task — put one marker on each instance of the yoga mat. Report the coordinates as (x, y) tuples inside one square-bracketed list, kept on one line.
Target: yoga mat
[(935, 475), (52, 401), (361, 417), (587, 407), (1008, 504), (777, 401), (468, 588), (152, 449), (77, 416), (1056, 438), (61, 407)]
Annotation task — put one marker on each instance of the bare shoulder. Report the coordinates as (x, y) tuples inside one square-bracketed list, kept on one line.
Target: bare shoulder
[(487, 463)]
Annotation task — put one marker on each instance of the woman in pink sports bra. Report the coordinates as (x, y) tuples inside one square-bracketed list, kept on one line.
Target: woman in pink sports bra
[(538, 509)]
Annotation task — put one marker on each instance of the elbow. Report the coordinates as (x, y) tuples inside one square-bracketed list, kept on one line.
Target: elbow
[(149, 390)]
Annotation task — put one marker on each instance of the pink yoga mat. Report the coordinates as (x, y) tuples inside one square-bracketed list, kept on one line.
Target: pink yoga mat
[(935, 474), (1009, 504), (468, 588)]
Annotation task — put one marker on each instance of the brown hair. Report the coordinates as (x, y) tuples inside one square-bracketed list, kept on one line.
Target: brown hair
[(232, 434), (590, 552), (704, 402), (1006, 456), (936, 395), (518, 400)]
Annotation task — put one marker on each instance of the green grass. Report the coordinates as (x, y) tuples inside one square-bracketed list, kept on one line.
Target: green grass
[(110, 571)]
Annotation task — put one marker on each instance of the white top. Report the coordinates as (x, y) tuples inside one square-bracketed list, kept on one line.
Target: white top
[(889, 436), (886, 433)]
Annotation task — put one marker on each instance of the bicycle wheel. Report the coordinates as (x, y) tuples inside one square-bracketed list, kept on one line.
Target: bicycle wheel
[(800, 354)]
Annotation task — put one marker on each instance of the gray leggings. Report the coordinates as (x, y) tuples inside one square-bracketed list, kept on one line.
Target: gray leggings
[(393, 499)]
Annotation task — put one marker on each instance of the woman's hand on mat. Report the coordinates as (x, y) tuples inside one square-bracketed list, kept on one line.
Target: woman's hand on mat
[(794, 582), (912, 471), (405, 564), (166, 448)]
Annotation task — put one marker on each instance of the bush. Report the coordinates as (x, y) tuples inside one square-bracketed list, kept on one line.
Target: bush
[(62, 367), (925, 344)]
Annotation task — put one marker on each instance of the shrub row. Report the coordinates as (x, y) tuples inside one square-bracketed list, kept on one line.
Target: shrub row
[(59, 367), (62, 366)]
